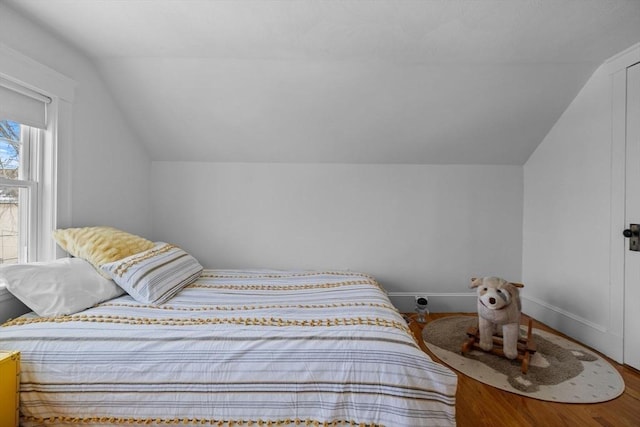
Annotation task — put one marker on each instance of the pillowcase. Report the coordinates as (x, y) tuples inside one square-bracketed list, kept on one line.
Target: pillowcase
[(156, 275), (99, 245), (65, 286)]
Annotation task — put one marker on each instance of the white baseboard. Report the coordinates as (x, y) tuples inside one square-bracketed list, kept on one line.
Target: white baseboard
[(405, 302), (591, 334)]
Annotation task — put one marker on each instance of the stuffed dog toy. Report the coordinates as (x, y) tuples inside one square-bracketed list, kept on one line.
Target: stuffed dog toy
[(498, 312)]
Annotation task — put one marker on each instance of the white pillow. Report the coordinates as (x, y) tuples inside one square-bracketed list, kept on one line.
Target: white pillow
[(156, 275), (61, 287)]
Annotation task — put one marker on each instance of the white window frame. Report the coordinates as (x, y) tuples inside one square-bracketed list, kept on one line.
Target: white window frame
[(52, 192), (30, 175)]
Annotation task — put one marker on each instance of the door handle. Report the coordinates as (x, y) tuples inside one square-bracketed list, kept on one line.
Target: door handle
[(633, 234)]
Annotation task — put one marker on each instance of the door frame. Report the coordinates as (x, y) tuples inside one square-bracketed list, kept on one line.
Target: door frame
[(617, 69)]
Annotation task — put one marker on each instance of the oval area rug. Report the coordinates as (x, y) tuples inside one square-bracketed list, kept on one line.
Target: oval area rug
[(559, 371)]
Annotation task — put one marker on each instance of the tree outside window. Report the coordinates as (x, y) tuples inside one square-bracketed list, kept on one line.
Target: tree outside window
[(10, 145)]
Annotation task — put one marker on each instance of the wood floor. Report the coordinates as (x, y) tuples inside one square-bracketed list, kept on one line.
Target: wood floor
[(478, 404)]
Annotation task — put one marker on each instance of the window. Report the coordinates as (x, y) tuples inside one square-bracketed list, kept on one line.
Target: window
[(20, 153), (36, 104), (27, 173)]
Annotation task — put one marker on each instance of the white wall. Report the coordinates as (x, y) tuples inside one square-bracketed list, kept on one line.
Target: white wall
[(109, 167), (567, 222), (103, 168), (418, 228)]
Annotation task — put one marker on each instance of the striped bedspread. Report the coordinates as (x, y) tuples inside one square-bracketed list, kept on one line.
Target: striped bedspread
[(235, 348)]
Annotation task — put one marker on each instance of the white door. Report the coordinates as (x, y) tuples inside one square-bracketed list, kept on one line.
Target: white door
[(632, 215)]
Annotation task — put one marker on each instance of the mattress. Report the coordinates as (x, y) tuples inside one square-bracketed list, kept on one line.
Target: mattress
[(235, 348)]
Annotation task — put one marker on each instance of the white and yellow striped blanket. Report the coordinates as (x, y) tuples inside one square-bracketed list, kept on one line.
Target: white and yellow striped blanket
[(235, 348)]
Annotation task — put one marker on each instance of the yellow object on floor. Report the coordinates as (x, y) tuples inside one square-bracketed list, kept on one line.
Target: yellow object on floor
[(9, 388)]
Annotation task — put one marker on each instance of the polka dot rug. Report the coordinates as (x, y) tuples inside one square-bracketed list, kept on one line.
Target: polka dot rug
[(559, 371)]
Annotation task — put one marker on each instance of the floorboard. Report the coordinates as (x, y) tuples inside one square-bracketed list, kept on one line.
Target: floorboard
[(478, 404)]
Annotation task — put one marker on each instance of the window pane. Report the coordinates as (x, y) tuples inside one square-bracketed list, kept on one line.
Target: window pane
[(9, 224), (10, 146)]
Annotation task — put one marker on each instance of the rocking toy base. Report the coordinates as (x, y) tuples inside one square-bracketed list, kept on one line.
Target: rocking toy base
[(526, 346)]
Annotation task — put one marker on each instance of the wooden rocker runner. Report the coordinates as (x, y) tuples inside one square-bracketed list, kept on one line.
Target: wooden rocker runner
[(526, 345)]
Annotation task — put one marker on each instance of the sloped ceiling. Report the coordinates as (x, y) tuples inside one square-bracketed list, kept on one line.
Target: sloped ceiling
[(392, 81)]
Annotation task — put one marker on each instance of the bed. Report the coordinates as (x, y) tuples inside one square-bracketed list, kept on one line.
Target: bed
[(234, 348)]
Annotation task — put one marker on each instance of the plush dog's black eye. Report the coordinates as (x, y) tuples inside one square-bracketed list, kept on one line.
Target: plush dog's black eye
[(484, 289)]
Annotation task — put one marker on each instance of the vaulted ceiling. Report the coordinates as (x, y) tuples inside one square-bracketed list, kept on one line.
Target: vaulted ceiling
[(389, 81)]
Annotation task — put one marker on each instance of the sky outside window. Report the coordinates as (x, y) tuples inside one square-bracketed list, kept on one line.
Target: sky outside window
[(9, 148)]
